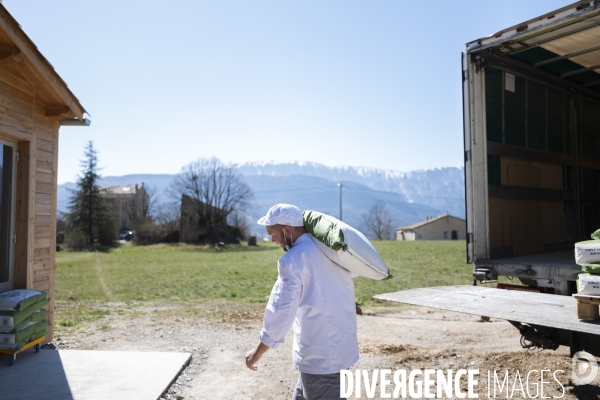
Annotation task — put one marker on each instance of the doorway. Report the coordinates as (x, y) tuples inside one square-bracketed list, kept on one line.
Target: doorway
[(7, 213)]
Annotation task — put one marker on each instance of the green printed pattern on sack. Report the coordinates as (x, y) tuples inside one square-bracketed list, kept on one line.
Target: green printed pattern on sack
[(20, 299), (32, 331), (39, 315), (20, 316), (593, 269), (324, 230)]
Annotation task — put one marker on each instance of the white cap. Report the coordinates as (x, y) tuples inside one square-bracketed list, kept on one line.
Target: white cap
[(282, 214)]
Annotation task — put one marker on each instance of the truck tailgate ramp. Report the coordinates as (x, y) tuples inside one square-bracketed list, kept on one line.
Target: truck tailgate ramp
[(553, 315)]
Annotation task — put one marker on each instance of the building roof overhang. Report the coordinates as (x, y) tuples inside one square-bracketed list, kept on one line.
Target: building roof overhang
[(21, 55)]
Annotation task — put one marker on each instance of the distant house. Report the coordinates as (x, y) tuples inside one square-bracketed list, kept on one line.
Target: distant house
[(126, 203), (444, 227), (193, 226)]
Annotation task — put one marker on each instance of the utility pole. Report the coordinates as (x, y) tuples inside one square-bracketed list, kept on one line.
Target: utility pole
[(340, 185)]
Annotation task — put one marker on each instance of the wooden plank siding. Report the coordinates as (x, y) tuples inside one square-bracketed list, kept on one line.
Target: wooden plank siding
[(53, 229), (44, 229)]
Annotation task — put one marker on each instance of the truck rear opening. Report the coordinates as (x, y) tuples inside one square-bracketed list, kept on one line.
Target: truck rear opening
[(531, 96), (531, 101)]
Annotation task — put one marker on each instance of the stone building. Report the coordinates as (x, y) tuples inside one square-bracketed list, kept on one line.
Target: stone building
[(126, 203)]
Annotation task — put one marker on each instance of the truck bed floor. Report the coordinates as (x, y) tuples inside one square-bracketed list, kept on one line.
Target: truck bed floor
[(550, 310)]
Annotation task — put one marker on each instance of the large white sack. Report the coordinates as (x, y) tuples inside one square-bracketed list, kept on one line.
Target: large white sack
[(357, 254), (587, 252), (588, 284)]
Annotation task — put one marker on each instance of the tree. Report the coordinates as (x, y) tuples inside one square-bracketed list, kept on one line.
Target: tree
[(378, 221), (167, 222), (142, 212), (150, 201), (88, 209), (239, 220), (141, 205), (217, 190)]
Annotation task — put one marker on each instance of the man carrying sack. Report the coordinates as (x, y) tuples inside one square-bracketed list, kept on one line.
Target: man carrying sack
[(316, 297)]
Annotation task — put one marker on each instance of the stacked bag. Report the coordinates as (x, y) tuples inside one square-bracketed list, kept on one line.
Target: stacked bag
[(22, 319), (587, 254)]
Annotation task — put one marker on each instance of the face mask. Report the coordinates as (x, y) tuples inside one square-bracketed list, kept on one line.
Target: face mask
[(287, 246)]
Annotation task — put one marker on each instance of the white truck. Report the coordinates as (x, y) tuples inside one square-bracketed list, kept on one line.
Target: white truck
[(531, 101)]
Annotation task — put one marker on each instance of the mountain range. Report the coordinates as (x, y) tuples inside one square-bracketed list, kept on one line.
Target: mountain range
[(410, 196)]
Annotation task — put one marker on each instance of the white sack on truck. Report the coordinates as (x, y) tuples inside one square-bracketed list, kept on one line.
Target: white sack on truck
[(588, 251), (588, 284)]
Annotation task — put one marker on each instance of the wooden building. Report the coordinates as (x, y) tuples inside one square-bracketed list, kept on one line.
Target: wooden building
[(443, 227), (34, 103)]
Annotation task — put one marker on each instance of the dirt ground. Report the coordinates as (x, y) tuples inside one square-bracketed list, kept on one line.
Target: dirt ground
[(406, 338)]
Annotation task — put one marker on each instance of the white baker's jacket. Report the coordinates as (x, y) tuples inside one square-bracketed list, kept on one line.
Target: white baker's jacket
[(317, 297)]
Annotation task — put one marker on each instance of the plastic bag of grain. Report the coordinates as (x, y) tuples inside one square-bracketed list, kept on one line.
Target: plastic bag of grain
[(588, 284), (588, 251), (345, 246), (17, 300)]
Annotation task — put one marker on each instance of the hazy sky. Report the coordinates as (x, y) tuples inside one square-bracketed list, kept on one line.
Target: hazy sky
[(363, 83)]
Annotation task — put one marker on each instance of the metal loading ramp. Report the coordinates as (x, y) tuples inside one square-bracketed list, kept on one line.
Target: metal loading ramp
[(551, 315)]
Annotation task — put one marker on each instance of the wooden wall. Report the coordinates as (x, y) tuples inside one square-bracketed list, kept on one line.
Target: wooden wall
[(44, 226), (527, 225), (23, 120)]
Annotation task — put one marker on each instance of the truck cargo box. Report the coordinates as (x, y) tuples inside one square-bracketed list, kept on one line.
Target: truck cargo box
[(531, 97), (531, 107)]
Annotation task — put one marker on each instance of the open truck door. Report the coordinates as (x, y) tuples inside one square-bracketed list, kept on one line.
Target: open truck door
[(531, 109)]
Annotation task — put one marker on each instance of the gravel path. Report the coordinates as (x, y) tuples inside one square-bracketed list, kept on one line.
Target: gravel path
[(390, 338)]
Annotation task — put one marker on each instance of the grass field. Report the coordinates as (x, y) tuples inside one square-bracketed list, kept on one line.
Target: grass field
[(236, 278), (185, 273)]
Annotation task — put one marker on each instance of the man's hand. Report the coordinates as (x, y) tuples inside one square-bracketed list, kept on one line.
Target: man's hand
[(255, 354)]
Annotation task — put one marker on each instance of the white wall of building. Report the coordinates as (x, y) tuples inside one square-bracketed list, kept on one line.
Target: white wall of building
[(439, 229)]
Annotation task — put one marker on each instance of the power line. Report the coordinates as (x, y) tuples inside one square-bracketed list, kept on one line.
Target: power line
[(292, 190), (350, 188), (402, 194)]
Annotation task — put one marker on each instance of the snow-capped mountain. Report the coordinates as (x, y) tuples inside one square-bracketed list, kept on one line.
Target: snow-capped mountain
[(441, 188), (410, 196)]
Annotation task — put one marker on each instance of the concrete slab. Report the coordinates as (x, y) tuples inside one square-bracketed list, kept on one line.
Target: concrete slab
[(89, 374)]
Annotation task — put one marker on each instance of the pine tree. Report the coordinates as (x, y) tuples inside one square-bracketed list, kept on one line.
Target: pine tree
[(88, 207)]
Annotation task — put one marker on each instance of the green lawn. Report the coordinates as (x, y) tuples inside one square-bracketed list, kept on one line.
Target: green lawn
[(185, 273), (235, 281), (181, 273), (428, 263)]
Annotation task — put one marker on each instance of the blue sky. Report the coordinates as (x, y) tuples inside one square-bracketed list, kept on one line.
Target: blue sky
[(338, 82)]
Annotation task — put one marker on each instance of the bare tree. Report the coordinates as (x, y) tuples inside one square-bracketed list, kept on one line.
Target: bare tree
[(216, 189), (141, 209), (167, 222), (239, 220), (378, 221), (150, 204)]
